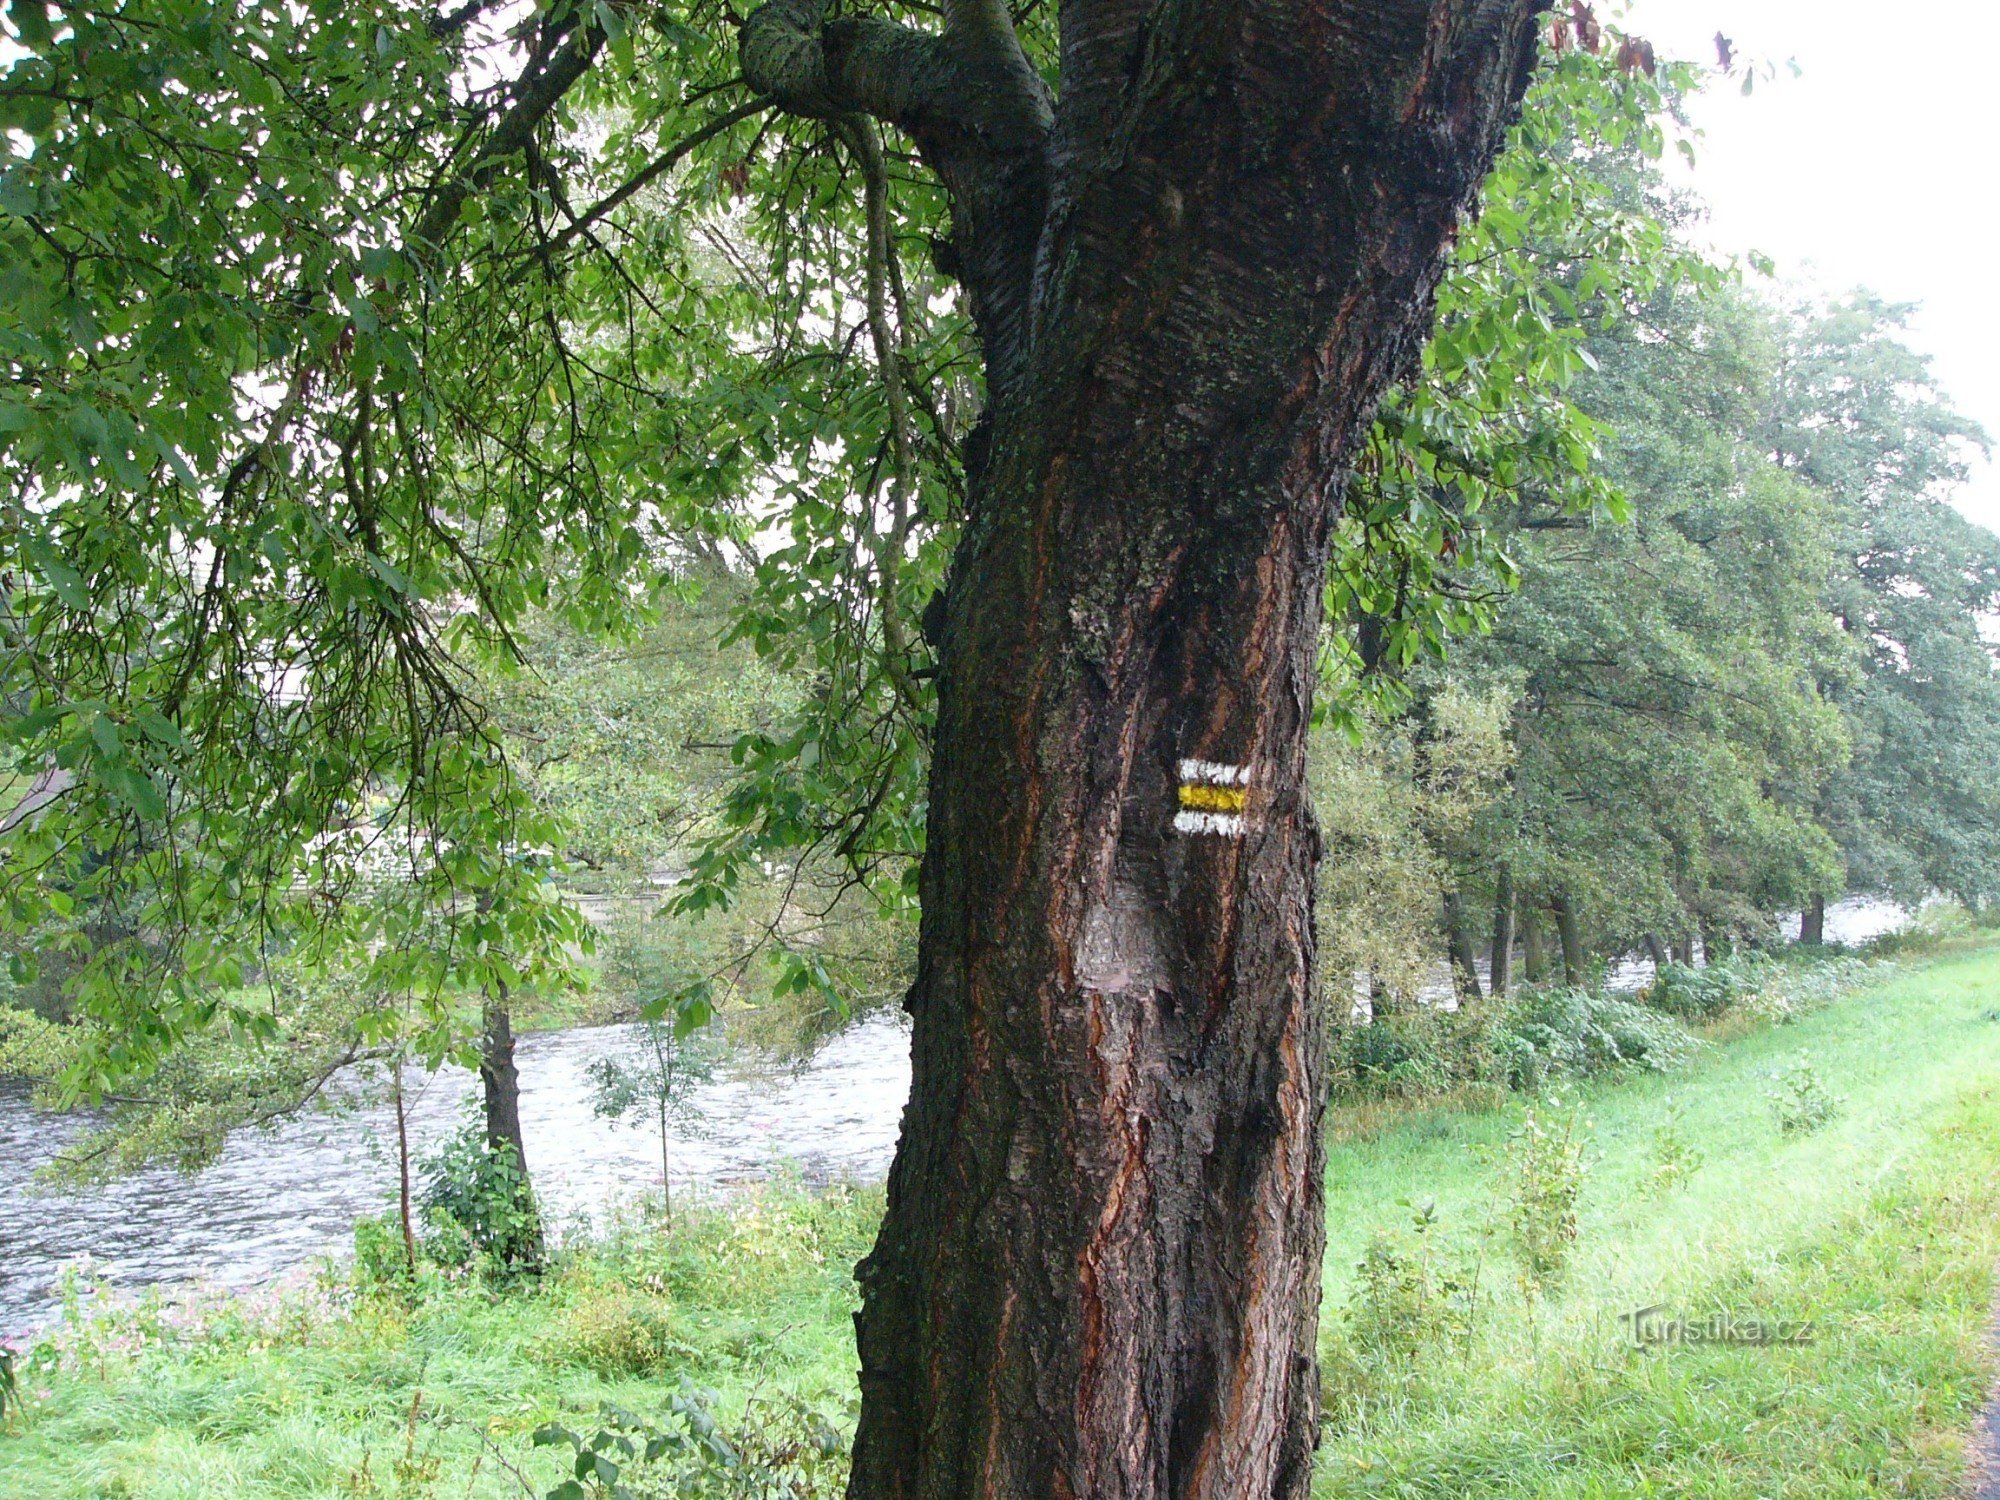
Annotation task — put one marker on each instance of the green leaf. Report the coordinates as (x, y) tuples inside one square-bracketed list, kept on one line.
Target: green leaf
[(59, 575), (104, 730)]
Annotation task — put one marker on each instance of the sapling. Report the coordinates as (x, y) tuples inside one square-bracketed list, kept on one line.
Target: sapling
[(658, 1075)]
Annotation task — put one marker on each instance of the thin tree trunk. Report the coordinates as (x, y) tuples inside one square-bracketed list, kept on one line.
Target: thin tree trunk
[(666, 1180), (665, 1063), (1812, 922), (1500, 962), (1534, 957), (1572, 942), (1655, 951), (1380, 1001), (1458, 933), (1193, 276), (403, 1167), (500, 1080), (1684, 950)]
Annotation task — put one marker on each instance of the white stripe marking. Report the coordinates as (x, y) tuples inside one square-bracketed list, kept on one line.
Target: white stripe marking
[(1229, 825), (1215, 773)]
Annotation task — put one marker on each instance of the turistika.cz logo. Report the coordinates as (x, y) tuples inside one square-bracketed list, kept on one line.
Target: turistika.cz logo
[(1654, 1327)]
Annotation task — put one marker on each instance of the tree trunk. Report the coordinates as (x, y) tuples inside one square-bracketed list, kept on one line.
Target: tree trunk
[(1458, 933), (1193, 276), (1500, 962), (1534, 958), (500, 1080), (666, 1181), (1812, 921), (1656, 952), (1572, 942), (1684, 950), (403, 1167)]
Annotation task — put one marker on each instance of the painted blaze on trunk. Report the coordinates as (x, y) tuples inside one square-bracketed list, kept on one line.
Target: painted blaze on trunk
[(1194, 271)]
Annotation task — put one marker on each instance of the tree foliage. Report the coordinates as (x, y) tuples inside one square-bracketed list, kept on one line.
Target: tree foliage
[(360, 363), (339, 342)]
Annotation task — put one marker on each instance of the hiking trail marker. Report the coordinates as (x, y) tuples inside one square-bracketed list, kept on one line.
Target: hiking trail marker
[(1212, 798)]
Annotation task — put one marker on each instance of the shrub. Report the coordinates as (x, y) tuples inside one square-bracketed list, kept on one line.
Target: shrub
[(1676, 1157), (380, 1262), (1938, 925), (1546, 1164), (479, 1210), (1551, 1034), (1409, 1302), (780, 1450), (1706, 994), (1416, 1054), (618, 1333), (1406, 1302), (1528, 1042), (1800, 1101)]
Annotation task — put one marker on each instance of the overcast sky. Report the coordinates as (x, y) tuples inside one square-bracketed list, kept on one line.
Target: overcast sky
[(1875, 166)]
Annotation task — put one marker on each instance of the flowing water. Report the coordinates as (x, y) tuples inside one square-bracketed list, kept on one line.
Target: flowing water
[(277, 1198)]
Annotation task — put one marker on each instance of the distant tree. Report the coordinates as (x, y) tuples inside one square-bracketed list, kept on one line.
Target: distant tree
[(1671, 735), (1857, 415)]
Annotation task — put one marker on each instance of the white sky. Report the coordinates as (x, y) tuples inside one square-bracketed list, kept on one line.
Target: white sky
[(1874, 167)]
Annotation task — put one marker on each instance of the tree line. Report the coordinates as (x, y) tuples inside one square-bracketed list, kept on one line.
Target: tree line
[(1771, 686)]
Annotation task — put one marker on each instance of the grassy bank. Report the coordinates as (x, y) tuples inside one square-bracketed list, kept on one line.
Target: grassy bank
[(1881, 1226), (1450, 1370)]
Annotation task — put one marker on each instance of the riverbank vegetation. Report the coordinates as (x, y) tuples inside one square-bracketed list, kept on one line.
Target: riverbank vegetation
[(1485, 1253)]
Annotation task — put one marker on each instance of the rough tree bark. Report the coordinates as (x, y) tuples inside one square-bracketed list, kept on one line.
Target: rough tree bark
[(1571, 939), (1193, 274), (1812, 922), (1500, 962)]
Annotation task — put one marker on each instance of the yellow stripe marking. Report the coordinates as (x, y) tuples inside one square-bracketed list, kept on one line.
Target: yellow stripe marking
[(1213, 798)]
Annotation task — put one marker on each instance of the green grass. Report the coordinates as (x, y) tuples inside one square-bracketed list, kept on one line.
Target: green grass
[(318, 1392), (1882, 1226)]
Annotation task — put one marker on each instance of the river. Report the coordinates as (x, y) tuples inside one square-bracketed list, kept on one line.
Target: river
[(278, 1198)]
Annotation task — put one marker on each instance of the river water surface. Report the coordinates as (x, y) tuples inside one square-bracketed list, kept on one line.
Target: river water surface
[(277, 1198)]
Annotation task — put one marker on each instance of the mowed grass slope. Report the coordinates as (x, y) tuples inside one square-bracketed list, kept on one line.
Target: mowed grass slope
[(1882, 1226)]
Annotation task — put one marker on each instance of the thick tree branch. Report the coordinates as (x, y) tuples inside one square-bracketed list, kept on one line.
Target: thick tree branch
[(969, 99), (536, 97), (856, 65)]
